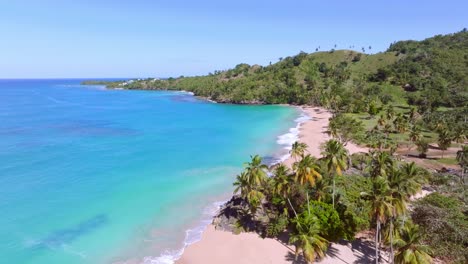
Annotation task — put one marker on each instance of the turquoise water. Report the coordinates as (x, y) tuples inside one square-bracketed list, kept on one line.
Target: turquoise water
[(89, 175)]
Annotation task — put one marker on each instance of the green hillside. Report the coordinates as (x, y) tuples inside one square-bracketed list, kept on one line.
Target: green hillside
[(428, 74)]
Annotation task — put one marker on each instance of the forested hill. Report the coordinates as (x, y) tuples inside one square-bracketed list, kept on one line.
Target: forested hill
[(429, 73)]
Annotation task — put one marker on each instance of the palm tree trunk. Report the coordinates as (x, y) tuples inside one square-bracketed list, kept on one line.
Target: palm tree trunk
[(308, 204), (333, 195), (293, 209), (377, 242), (391, 241)]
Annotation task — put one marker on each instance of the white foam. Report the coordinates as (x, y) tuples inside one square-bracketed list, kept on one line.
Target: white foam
[(192, 235), (286, 140)]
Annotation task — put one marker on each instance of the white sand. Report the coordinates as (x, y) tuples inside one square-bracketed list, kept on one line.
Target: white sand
[(218, 246)]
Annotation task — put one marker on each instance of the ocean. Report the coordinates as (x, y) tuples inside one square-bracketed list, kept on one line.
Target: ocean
[(90, 175)]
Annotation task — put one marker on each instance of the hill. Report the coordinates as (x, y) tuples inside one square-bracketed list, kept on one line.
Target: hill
[(429, 74)]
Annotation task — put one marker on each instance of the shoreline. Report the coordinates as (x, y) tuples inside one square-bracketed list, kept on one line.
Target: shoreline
[(194, 234), (216, 246)]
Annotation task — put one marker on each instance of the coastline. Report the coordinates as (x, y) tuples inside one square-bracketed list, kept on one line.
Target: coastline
[(216, 246)]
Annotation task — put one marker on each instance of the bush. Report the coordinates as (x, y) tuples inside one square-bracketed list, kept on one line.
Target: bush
[(331, 227), (277, 225)]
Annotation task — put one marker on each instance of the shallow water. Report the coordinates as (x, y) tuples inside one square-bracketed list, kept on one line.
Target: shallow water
[(89, 175)]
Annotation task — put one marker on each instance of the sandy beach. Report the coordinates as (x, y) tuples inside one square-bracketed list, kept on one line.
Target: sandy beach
[(224, 247)]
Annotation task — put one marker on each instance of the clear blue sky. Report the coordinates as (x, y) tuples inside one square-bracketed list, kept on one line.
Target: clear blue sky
[(91, 38)]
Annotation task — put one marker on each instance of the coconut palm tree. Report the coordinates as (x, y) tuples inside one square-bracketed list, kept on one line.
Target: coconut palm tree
[(335, 156), (409, 247), (400, 123), (282, 180), (414, 136), (307, 170), (444, 140), (298, 150), (381, 206), (249, 191), (382, 120), (380, 163), (242, 184), (256, 171), (306, 239), (403, 182), (462, 158)]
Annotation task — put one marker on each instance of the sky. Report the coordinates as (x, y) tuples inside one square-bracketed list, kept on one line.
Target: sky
[(169, 38)]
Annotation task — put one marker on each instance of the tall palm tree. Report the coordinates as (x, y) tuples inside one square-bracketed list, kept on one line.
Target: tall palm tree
[(380, 163), (298, 149), (282, 180), (335, 156), (409, 248), (414, 136), (307, 170), (248, 191), (381, 206), (242, 184), (306, 239), (444, 140), (462, 158), (403, 182), (256, 171), (400, 123)]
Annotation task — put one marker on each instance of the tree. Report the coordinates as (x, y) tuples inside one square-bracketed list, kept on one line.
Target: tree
[(422, 146), (242, 184), (372, 109), (345, 128), (400, 123), (444, 140), (306, 238), (409, 247), (331, 227), (282, 180), (307, 170), (462, 158), (298, 149), (381, 204), (335, 156), (255, 171), (381, 162), (404, 183), (414, 136)]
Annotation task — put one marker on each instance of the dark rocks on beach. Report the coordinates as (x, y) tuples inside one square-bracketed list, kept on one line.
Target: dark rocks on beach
[(234, 216)]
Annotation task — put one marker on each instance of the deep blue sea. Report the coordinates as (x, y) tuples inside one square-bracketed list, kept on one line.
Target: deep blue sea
[(89, 175)]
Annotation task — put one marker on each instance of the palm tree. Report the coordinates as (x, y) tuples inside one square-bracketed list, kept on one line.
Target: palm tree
[(444, 140), (307, 170), (414, 136), (462, 158), (409, 248), (242, 184), (335, 156), (382, 120), (282, 180), (381, 204), (403, 182), (380, 163), (306, 238), (400, 123), (298, 149), (255, 171), (248, 191)]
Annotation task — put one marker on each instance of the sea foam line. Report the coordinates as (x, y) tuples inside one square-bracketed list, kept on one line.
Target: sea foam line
[(286, 140), (192, 235)]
